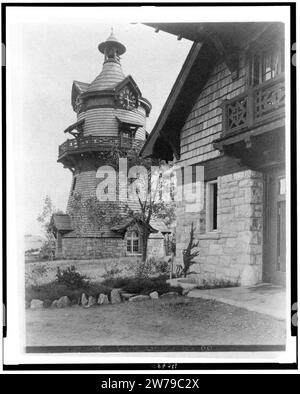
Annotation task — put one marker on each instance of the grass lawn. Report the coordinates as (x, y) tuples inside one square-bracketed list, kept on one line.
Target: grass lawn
[(180, 321)]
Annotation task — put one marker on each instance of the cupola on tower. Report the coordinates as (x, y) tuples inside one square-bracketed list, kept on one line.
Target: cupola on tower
[(111, 112)]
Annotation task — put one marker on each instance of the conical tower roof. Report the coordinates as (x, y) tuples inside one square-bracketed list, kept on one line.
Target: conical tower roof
[(109, 77)]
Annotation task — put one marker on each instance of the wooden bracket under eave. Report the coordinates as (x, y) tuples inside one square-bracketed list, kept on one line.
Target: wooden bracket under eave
[(219, 146), (232, 62), (171, 144), (229, 55)]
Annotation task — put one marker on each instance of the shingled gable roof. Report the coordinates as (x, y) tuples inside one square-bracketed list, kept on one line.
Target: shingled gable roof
[(160, 226), (61, 222), (131, 81), (77, 89), (212, 41), (122, 227)]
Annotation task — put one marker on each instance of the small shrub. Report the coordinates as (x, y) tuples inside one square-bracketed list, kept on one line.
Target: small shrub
[(217, 284), (52, 291), (148, 268), (71, 278), (36, 275), (162, 267), (188, 255), (113, 271), (142, 285), (142, 269)]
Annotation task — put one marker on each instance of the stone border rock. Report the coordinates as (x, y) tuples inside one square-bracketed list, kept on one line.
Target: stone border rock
[(117, 296)]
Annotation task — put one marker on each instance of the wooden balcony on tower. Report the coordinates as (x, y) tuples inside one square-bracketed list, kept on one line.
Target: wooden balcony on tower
[(78, 146)]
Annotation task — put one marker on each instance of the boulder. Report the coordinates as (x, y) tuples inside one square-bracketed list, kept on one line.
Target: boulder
[(126, 296), (54, 304), (63, 302), (47, 303), (92, 301), (102, 299), (140, 297), (154, 295), (185, 292), (36, 304), (115, 297), (170, 294), (84, 300)]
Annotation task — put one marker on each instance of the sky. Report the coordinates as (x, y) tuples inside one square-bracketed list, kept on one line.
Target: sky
[(53, 52)]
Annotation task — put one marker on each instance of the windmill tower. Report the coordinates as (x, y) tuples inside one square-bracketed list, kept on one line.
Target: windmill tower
[(111, 112)]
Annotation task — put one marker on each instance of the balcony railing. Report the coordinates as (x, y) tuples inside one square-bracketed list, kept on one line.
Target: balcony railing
[(97, 143), (261, 104)]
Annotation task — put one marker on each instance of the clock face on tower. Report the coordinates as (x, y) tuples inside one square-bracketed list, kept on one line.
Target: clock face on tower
[(127, 99)]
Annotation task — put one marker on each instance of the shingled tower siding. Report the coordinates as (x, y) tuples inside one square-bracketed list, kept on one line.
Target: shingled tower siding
[(105, 122), (233, 252)]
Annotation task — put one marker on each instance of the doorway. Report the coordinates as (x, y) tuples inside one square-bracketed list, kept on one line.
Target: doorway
[(274, 266)]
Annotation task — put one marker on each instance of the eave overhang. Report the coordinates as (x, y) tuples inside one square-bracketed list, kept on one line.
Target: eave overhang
[(61, 223), (122, 228), (77, 89), (74, 126), (237, 34)]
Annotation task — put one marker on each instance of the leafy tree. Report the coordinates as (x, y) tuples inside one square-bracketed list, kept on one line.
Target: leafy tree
[(47, 249), (152, 201)]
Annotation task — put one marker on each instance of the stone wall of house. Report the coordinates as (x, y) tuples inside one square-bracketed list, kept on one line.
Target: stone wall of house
[(93, 248), (98, 248), (234, 251)]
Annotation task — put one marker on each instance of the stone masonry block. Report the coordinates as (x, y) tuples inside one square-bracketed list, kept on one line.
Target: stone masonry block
[(212, 260)]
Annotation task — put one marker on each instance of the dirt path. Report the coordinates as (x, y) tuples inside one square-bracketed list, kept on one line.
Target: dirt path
[(181, 321)]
